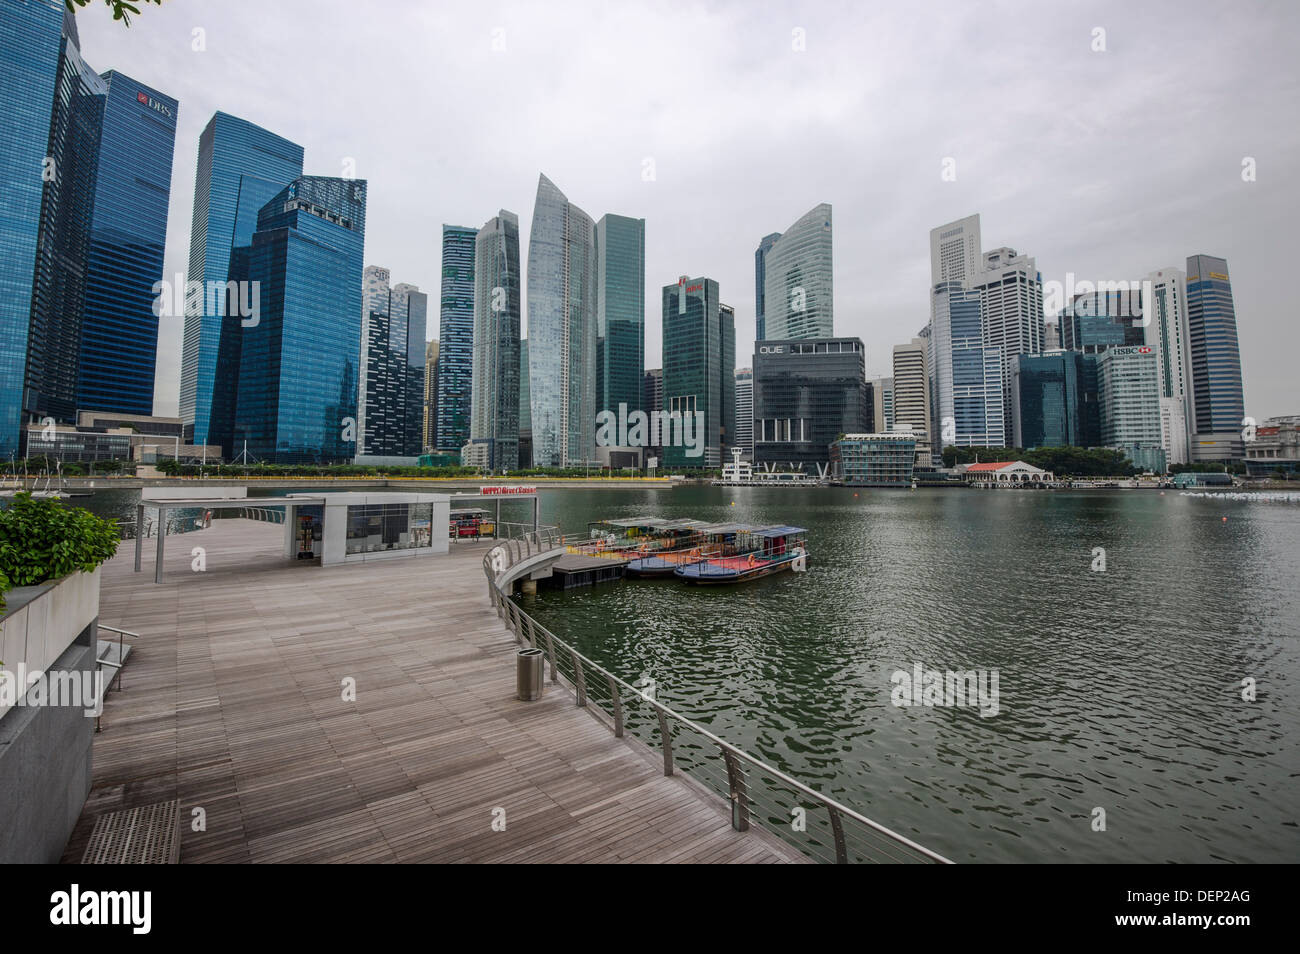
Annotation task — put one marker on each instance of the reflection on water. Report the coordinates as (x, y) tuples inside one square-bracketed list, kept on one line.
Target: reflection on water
[(1119, 690)]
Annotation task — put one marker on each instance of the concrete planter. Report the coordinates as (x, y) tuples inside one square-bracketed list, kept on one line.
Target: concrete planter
[(45, 750)]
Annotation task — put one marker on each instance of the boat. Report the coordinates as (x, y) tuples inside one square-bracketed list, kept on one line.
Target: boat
[(710, 540), (761, 551), (639, 535)]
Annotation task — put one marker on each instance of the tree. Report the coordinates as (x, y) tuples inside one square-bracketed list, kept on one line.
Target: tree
[(122, 9)]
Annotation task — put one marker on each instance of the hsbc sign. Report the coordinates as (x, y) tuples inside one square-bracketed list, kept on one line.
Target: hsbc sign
[(1123, 351)]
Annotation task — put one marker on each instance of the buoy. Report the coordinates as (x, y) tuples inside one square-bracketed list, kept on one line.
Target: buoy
[(855, 495), (1225, 519), (733, 503)]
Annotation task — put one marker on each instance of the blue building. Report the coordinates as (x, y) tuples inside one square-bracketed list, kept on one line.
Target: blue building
[(620, 311), (494, 408), (965, 375), (391, 393), (1216, 361), (760, 282), (1054, 400), (240, 168), (456, 336), (296, 400), (128, 232)]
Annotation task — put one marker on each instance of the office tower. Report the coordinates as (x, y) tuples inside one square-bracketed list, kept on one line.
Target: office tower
[(966, 405), (912, 393), (296, 399), (31, 43), (1054, 400), (745, 412), (1128, 391), (652, 399), (1167, 332), (760, 280), (1051, 334), (694, 350), (390, 400), (807, 392), (727, 331), (1109, 318), (562, 330), (620, 311), (494, 407), (1011, 305), (882, 406), (409, 311), (1216, 361), (375, 397), (429, 435), (58, 281), (456, 336), (955, 251), (128, 231), (798, 291), (241, 167), (525, 409)]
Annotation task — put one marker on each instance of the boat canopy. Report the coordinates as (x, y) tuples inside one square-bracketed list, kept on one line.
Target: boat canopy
[(771, 532)]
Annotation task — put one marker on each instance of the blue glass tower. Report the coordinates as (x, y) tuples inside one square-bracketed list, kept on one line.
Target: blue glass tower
[(240, 168), (965, 375), (128, 232), (1216, 360), (620, 310), (30, 44), (760, 282), (1054, 400), (296, 400), (456, 336)]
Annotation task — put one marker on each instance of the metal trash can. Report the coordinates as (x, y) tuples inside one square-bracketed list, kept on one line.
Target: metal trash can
[(530, 667)]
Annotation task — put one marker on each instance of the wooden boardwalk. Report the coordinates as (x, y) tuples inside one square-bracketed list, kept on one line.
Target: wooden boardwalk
[(233, 703)]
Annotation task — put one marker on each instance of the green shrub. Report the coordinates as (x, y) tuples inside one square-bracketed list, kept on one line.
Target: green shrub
[(41, 539)]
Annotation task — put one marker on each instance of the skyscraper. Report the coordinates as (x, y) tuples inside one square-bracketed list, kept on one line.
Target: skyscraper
[(390, 405), (494, 414), (128, 232), (620, 311), (912, 393), (430, 434), (965, 375), (745, 412), (798, 293), (1097, 320), (241, 167), (1128, 393), (456, 336), (1216, 361), (955, 251), (695, 344), (31, 38), (525, 409), (562, 330), (882, 405), (1167, 332), (760, 281), (296, 400), (1011, 306), (1054, 402), (807, 392)]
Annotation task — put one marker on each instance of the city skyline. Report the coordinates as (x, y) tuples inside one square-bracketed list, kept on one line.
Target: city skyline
[(1044, 176)]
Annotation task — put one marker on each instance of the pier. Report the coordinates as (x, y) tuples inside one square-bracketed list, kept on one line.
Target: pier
[(235, 702)]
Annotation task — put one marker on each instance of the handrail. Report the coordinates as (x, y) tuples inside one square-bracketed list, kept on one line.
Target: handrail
[(735, 759)]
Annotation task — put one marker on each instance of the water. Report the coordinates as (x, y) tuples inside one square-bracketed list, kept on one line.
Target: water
[(1119, 690)]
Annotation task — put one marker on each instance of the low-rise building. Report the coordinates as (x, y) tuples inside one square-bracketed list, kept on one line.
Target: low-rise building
[(1275, 447), (873, 460), (1005, 473)]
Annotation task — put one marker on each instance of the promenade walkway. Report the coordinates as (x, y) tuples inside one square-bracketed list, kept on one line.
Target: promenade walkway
[(233, 703)]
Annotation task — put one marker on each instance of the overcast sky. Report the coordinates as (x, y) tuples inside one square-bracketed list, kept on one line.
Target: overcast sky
[(1108, 164)]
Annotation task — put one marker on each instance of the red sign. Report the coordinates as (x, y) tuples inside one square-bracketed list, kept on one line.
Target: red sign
[(141, 97), (1144, 350), (504, 491)]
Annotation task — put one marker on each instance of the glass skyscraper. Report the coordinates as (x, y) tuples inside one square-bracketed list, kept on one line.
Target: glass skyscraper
[(699, 351), (128, 233), (240, 168), (390, 406), (965, 375), (760, 282), (798, 294), (806, 394), (455, 336), (745, 412), (620, 310), (562, 330), (296, 400), (494, 408), (1216, 361), (1054, 400)]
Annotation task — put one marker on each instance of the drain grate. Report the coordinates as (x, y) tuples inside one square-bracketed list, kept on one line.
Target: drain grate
[(148, 835)]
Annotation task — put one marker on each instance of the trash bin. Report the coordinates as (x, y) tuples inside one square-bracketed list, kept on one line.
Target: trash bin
[(530, 667)]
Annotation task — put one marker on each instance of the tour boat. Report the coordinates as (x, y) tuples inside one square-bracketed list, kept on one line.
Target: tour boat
[(762, 551), (709, 540)]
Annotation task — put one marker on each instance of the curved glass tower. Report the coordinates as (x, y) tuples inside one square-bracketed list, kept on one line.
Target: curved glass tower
[(494, 414), (561, 330), (798, 292)]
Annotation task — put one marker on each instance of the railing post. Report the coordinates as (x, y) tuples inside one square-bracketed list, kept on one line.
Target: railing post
[(667, 738), (550, 652), (578, 679), (837, 826), (532, 632), (739, 797), (618, 706)]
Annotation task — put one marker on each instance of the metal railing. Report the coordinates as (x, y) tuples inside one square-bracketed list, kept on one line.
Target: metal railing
[(758, 793), (117, 667)]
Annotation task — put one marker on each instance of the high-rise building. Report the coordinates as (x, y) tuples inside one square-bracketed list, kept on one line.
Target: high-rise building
[(31, 41), (727, 336), (696, 376), (807, 392), (966, 405), (760, 282), (912, 393), (798, 292), (494, 414), (652, 399), (456, 336), (525, 409), (882, 405), (562, 330), (1097, 320), (1216, 361), (1054, 400), (620, 311), (296, 400), (1051, 334), (1166, 330), (241, 167), (745, 412), (1011, 304), (955, 251), (390, 404), (429, 434), (1128, 391), (375, 393)]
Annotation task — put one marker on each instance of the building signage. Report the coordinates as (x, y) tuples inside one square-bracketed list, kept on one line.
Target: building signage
[(505, 491), (154, 104), (771, 349), (1123, 351)]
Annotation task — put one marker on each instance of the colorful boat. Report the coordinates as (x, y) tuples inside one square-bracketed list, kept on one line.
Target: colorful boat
[(639, 535), (761, 551)]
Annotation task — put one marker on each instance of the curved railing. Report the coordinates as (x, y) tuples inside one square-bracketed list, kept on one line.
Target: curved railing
[(816, 824)]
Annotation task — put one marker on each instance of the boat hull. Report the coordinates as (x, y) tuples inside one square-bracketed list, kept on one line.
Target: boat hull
[(705, 574)]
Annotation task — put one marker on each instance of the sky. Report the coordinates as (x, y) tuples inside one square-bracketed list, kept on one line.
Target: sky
[(1104, 139)]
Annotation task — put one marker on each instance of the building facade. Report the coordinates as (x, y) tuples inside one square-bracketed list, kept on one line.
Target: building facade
[(1218, 397), (966, 403), (1128, 391), (390, 402), (697, 337), (882, 405), (494, 414), (429, 433), (1166, 330), (873, 460), (745, 412), (799, 289), (1011, 304), (912, 393), (807, 392), (620, 311), (760, 282), (456, 336), (1054, 400)]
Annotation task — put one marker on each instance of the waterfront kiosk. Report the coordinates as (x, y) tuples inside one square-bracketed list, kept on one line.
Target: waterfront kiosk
[(356, 527)]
